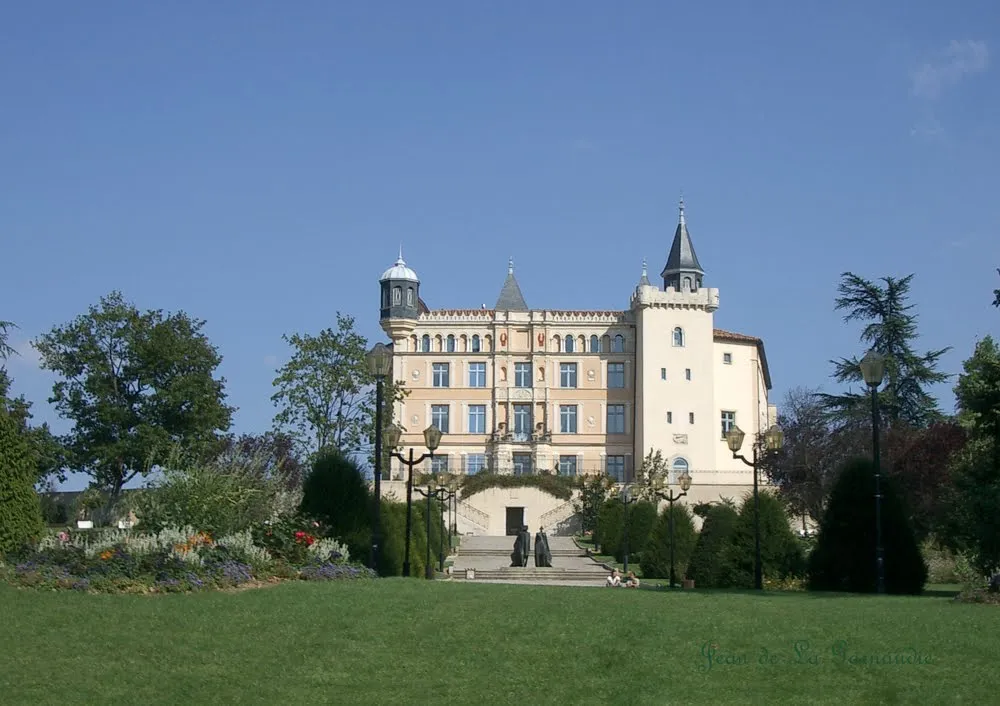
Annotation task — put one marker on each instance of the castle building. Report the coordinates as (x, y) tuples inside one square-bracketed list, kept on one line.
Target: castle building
[(518, 390)]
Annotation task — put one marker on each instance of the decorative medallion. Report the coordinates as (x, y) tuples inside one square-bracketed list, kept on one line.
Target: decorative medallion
[(590, 421), (414, 419), (591, 374), (541, 340), (680, 438), (416, 374), (503, 339)]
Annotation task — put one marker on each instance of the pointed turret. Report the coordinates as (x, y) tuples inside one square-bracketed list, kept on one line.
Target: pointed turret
[(510, 298), (683, 271), (644, 279)]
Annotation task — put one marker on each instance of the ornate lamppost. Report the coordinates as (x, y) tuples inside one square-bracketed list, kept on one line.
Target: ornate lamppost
[(432, 439), (774, 438), (449, 489), (671, 497), (873, 371), (432, 492), (379, 360), (627, 500)]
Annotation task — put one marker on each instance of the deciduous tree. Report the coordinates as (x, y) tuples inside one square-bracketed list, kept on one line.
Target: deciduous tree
[(326, 395), (134, 384)]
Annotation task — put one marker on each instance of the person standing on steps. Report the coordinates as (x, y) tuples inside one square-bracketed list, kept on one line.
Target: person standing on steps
[(543, 556)]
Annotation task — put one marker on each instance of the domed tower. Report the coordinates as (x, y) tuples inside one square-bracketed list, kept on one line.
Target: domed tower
[(400, 292)]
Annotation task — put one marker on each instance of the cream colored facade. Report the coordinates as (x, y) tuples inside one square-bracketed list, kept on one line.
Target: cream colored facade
[(521, 390)]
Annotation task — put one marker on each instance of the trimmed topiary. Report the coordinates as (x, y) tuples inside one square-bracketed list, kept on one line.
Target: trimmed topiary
[(20, 510), (780, 552), (707, 567), (656, 556), (611, 528), (336, 494), (844, 557)]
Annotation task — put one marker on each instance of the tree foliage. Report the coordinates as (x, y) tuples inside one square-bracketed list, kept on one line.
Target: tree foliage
[(781, 555), (336, 494), (134, 384), (655, 559), (20, 510), (272, 455), (890, 328), (973, 507), (996, 295), (706, 567), (594, 492), (326, 395), (844, 557)]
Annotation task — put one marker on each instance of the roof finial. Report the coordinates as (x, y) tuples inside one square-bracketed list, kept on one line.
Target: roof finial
[(682, 210), (643, 267), (400, 250), (510, 266)]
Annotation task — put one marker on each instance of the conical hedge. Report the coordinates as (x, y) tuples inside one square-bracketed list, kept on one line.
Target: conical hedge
[(844, 557), (20, 509)]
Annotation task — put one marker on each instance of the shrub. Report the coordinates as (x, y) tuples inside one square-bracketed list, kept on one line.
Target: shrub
[(213, 496), (706, 567), (335, 494), (844, 558), (392, 553), (20, 511), (655, 560), (780, 552), (594, 491), (559, 486), (611, 528), (610, 520)]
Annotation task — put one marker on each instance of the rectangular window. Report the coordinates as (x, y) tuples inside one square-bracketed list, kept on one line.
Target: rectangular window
[(522, 374), (728, 422), (616, 419), (477, 419), (439, 464), (687, 373), (477, 374), (441, 374), (567, 419), (522, 422), (474, 463), (663, 373), (670, 417), (727, 358), (616, 376), (522, 464), (439, 417), (690, 417), (567, 465), (567, 375), (616, 468)]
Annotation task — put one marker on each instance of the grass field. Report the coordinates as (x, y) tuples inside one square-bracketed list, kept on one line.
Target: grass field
[(411, 641)]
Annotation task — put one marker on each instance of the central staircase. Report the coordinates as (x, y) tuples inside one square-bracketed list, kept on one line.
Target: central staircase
[(488, 558)]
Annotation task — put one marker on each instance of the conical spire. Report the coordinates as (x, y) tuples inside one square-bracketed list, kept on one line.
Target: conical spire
[(510, 298), (682, 271), (644, 280)]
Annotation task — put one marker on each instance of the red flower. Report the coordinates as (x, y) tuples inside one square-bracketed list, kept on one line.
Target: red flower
[(300, 535)]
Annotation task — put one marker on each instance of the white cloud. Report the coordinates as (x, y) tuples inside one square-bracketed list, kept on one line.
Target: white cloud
[(960, 59)]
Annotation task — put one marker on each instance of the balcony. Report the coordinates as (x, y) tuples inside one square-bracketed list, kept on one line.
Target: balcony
[(539, 435)]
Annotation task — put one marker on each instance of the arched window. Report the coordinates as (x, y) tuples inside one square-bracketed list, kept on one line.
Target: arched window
[(677, 468), (687, 284), (595, 344), (425, 344), (569, 344), (409, 296), (450, 342), (679, 337), (397, 296), (618, 344), (475, 343)]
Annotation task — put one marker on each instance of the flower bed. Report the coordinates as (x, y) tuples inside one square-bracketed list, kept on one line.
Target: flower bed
[(174, 560)]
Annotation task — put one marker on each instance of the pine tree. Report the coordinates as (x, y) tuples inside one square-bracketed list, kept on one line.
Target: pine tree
[(655, 560), (891, 330), (781, 555)]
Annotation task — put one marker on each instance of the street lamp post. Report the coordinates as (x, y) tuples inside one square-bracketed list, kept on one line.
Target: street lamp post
[(448, 490), (431, 492), (685, 482), (379, 360), (873, 371), (626, 501), (773, 440), (432, 439)]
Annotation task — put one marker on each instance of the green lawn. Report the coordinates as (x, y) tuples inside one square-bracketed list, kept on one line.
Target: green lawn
[(410, 641)]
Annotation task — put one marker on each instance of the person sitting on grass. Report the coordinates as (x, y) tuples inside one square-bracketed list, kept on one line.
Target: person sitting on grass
[(632, 581), (614, 579)]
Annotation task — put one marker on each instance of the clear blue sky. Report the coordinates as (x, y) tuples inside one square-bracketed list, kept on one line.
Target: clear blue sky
[(258, 164)]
